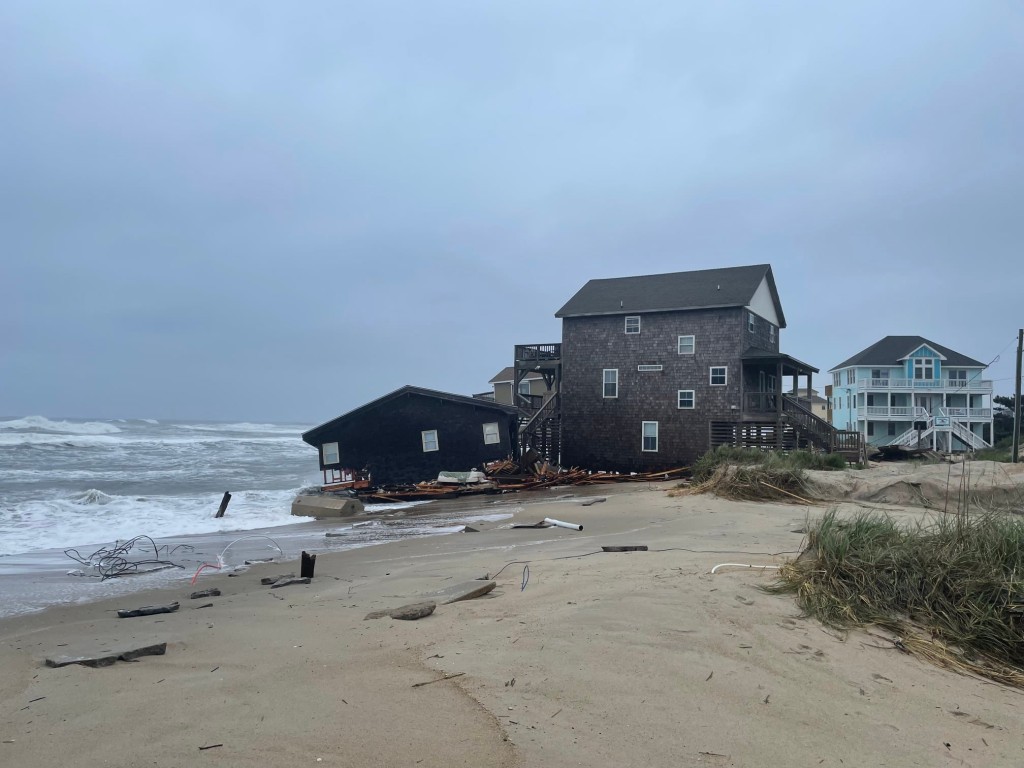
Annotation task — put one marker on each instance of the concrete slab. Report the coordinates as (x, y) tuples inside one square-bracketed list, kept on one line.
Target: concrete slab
[(326, 506)]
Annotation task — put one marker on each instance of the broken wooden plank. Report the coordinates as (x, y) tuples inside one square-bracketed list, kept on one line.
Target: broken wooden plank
[(626, 548), (288, 581), (147, 610), (212, 592), (464, 591), (106, 657), (268, 580)]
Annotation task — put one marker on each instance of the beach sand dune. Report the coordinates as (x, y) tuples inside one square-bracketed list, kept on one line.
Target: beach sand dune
[(603, 659)]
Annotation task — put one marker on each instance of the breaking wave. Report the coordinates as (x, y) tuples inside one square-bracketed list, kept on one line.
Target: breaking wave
[(43, 424)]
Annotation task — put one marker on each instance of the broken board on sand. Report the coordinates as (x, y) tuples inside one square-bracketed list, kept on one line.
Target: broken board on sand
[(457, 592), (104, 657)]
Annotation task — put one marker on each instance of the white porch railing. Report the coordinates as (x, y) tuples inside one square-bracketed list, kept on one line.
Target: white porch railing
[(957, 385), (892, 412)]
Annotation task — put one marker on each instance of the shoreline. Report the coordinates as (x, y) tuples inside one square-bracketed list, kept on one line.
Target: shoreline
[(599, 660)]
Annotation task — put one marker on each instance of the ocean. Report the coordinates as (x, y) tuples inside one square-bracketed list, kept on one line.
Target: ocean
[(86, 484)]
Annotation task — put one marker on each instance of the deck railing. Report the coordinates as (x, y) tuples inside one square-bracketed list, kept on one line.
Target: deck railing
[(538, 352), (974, 385)]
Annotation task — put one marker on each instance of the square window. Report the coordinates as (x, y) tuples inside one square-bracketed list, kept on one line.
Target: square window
[(750, 321), (491, 435), (524, 387), (633, 324), (686, 345), (611, 382), (719, 375), (685, 398), (649, 430), (330, 453), (429, 437)]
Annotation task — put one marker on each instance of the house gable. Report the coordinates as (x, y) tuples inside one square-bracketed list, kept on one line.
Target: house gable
[(764, 303)]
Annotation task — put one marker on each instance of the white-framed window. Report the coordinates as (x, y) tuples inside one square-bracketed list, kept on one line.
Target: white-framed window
[(750, 321), (633, 324), (649, 437), (836, 380), (429, 437), (686, 399), (648, 368), (771, 382), (851, 375), (924, 368), (610, 382), (771, 333), (330, 453), (491, 435), (524, 387), (719, 375), (686, 345)]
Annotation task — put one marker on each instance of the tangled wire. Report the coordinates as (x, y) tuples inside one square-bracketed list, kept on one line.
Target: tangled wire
[(114, 561)]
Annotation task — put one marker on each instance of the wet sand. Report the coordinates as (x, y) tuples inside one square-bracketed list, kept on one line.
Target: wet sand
[(601, 660)]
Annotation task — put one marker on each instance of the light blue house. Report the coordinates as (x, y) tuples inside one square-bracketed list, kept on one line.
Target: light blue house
[(909, 391)]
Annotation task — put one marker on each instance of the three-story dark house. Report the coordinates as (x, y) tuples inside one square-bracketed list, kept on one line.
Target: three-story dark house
[(657, 369)]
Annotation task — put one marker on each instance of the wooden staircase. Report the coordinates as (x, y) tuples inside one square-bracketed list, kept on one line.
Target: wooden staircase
[(542, 431), (796, 428)]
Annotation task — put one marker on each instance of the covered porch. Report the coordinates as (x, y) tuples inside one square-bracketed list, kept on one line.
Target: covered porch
[(763, 383)]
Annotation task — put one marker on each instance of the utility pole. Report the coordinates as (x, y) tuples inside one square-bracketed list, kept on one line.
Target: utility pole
[(1016, 399)]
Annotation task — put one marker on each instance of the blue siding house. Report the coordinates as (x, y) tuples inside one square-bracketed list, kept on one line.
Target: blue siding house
[(912, 392)]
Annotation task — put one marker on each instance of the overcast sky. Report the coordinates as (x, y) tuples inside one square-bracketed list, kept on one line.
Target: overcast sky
[(279, 211)]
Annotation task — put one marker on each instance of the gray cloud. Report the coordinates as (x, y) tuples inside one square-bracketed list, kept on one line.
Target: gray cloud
[(262, 211)]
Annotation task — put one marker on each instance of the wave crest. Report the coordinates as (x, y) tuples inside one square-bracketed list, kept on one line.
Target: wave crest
[(43, 424)]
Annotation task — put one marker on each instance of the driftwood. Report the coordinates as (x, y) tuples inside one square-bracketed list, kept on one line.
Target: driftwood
[(438, 680), (106, 657), (212, 592), (626, 548), (147, 610)]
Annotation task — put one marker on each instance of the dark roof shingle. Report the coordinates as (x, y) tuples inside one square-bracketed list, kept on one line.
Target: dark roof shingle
[(701, 289), (891, 349)]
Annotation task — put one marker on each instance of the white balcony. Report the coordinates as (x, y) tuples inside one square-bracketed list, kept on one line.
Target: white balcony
[(916, 413), (980, 386)]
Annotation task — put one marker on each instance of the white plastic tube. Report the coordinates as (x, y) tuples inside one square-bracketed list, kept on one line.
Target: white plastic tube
[(561, 524), (743, 565)]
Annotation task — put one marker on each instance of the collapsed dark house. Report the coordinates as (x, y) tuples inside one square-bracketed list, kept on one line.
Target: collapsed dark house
[(412, 434)]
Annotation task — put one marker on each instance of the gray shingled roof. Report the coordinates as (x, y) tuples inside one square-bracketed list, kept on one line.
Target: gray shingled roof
[(310, 434), (891, 349), (702, 289)]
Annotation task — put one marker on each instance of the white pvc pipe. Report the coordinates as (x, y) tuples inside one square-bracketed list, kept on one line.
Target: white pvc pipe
[(743, 565), (560, 524)]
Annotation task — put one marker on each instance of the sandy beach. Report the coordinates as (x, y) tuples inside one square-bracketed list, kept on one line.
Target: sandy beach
[(601, 659)]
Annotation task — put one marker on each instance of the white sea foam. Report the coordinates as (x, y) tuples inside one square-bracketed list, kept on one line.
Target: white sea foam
[(43, 424), (66, 441), (96, 517)]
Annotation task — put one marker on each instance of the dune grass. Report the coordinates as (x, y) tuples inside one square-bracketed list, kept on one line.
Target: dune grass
[(951, 589), (706, 466)]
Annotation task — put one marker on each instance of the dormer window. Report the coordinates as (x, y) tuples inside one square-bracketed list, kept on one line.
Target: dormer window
[(924, 368), (633, 324)]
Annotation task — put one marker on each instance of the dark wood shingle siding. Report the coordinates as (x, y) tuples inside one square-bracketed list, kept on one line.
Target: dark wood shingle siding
[(388, 438), (604, 433)]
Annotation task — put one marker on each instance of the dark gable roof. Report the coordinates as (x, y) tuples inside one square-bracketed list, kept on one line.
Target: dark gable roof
[(702, 289), (509, 374), (891, 349), (309, 435)]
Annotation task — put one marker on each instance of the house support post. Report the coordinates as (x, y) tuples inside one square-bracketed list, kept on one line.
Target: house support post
[(1016, 400), (778, 405)]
